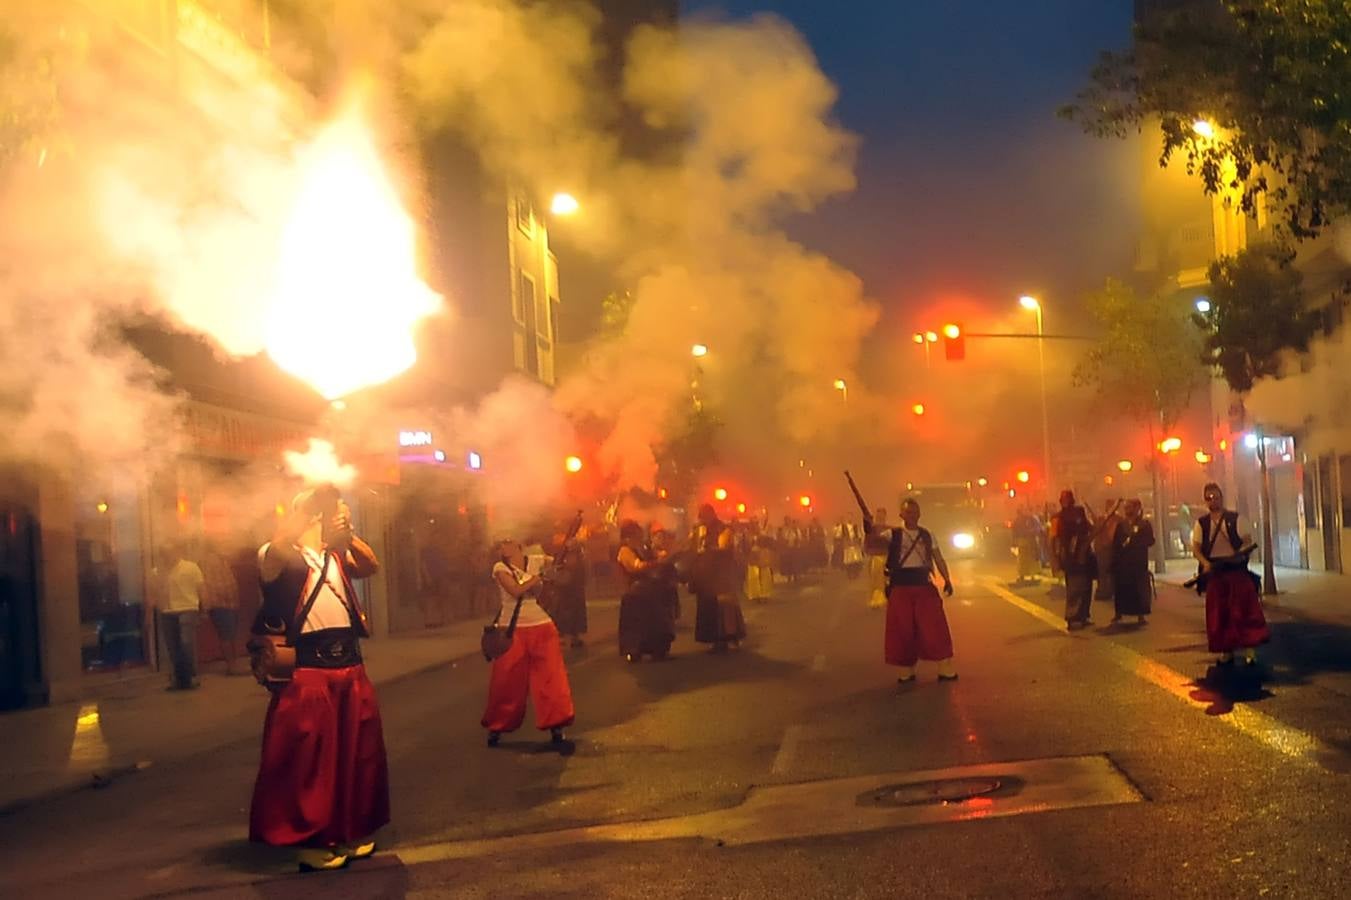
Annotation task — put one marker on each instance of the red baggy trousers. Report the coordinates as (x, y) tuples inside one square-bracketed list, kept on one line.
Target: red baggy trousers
[(322, 779), (1234, 619), (533, 665), (917, 627)]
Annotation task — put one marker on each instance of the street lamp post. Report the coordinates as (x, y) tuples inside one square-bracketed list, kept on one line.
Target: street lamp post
[(1033, 304), (843, 387)]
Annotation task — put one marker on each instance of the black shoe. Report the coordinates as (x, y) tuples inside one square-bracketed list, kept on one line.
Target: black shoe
[(493, 738), (556, 736), (952, 677)]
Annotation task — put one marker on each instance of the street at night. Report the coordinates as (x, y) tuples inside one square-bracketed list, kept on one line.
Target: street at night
[(1120, 775)]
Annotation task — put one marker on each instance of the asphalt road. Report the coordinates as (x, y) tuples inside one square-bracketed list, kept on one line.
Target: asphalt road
[(1124, 767)]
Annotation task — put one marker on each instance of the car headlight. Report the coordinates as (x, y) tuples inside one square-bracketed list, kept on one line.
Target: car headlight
[(963, 541)]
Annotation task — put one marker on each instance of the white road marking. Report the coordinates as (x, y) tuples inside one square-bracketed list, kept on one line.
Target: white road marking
[(1292, 742), (819, 663), (783, 760)]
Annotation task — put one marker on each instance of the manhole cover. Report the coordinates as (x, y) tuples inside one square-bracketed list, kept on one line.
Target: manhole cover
[(947, 790)]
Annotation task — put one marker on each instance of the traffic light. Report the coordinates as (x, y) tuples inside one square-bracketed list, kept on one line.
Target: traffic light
[(954, 342)]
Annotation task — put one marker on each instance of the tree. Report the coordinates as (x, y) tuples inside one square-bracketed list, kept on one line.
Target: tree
[(1269, 77), (1257, 311), (682, 459), (1146, 365)]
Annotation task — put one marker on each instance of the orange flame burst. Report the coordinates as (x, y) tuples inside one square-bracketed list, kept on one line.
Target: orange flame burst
[(347, 294)]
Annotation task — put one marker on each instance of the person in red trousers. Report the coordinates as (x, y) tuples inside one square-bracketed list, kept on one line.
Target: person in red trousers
[(323, 783), (917, 627), (1234, 618), (533, 665)]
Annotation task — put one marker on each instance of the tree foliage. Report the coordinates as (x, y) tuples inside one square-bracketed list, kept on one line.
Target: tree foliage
[(1273, 76), (1146, 364), (1257, 311)]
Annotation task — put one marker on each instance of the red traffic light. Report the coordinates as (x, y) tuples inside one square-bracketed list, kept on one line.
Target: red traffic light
[(954, 342)]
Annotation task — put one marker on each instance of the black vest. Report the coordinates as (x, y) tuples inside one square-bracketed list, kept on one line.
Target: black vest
[(924, 544), (1230, 520), (284, 595)]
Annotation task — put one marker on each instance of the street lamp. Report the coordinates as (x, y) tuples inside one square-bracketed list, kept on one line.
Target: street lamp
[(699, 351), (573, 464), (1203, 305), (1204, 128), (1032, 304), (1124, 466), (925, 339), (843, 388), (564, 204)]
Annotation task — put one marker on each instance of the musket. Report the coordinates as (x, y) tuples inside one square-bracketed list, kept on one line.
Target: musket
[(862, 504), (1246, 553)]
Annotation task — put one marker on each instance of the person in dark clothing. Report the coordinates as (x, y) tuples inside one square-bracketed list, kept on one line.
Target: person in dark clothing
[(718, 618), (646, 619), (1072, 546), (1131, 541)]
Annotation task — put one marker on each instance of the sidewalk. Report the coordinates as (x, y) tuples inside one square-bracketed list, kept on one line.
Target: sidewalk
[(59, 749), (1304, 594)]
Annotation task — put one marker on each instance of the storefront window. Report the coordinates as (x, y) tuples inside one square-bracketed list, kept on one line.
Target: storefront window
[(111, 581)]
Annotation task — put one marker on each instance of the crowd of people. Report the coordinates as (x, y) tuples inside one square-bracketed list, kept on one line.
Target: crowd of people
[(322, 784)]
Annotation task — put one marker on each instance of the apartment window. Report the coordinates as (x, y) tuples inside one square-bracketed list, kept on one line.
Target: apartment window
[(525, 299), (525, 215), (553, 318)]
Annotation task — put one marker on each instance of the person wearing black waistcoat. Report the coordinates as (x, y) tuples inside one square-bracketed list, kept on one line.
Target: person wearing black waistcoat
[(323, 782)]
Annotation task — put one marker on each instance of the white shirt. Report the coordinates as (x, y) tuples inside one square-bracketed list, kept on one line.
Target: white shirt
[(1219, 545), (183, 587), (917, 558), (328, 611), (531, 612)]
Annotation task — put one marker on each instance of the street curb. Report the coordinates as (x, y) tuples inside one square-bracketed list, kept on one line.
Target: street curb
[(102, 779), (93, 781)]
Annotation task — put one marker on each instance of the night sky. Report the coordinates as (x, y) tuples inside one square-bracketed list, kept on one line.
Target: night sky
[(971, 190)]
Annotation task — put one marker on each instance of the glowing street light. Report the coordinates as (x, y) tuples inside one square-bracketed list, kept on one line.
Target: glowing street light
[(698, 351), (1170, 445), (931, 337), (564, 204), (918, 337), (1124, 465), (843, 388), (1203, 457), (982, 481), (1032, 304), (804, 501), (1203, 305), (573, 464), (918, 409), (720, 494), (741, 508), (1024, 476), (1204, 128)]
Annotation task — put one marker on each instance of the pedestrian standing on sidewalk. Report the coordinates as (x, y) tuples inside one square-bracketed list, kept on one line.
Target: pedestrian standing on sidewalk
[(1131, 540), (1234, 618), (220, 598), (533, 664), (178, 614), (917, 627), (1072, 547), (323, 782)]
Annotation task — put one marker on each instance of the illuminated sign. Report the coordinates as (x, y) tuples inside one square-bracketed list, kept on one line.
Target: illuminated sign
[(415, 438)]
